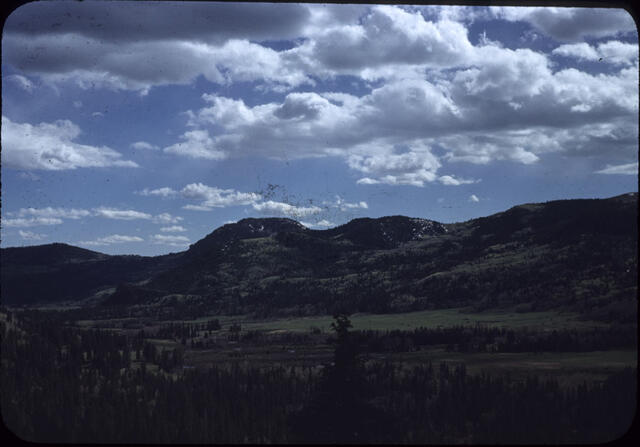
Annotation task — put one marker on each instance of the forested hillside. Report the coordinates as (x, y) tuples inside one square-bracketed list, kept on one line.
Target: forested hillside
[(578, 255)]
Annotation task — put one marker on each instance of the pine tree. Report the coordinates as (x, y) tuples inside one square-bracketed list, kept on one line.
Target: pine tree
[(339, 411)]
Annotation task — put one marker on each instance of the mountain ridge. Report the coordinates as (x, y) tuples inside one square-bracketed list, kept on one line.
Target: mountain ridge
[(574, 254)]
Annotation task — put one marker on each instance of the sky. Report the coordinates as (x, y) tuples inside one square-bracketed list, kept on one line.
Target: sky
[(140, 127)]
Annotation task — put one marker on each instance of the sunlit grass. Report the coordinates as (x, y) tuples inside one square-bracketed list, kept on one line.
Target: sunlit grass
[(548, 320)]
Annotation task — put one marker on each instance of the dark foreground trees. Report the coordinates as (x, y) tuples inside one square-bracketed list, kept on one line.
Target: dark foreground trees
[(69, 385), (339, 411)]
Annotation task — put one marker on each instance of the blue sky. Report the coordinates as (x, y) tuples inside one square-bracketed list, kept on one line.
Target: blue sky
[(139, 128)]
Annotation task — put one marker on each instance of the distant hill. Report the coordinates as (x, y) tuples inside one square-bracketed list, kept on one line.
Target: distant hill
[(59, 272), (579, 255)]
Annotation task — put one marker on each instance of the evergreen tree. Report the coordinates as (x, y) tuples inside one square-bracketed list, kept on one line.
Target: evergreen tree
[(339, 411)]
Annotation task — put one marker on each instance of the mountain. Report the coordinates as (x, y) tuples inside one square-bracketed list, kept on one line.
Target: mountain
[(59, 272), (578, 255)]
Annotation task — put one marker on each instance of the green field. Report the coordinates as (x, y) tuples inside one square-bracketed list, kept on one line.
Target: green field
[(428, 318)]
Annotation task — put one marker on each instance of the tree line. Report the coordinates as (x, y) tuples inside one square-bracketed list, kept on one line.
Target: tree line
[(74, 385)]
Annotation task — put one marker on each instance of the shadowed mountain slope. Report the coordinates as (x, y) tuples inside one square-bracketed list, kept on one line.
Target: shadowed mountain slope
[(578, 255)]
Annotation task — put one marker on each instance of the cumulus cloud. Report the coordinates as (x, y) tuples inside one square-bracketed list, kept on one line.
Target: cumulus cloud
[(51, 146), (143, 145), (173, 229), (453, 181), (166, 218), (213, 197), (571, 24), (30, 236), (162, 192), (580, 50), (323, 223), (196, 144), (31, 222), (625, 169), (410, 168), (50, 212), (112, 239), (345, 206), (620, 53), (129, 22), (386, 36), (136, 47), (108, 53), (503, 74), (114, 213), (27, 217), (74, 58), (285, 209), (175, 241), (482, 149), (507, 106), (612, 52), (430, 95)]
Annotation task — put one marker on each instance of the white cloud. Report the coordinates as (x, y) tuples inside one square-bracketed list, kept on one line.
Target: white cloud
[(196, 144), (162, 192), (580, 50), (473, 198), (324, 223), (213, 197), (320, 224), (492, 103), (73, 58), (31, 222), (625, 169), (502, 74), (112, 239), (611, 52), (481, 149), (344, 206), (509, 105), (51, 146), (192, 207), (570, 24), (52, 216), (176, 241), (410, 168), (386, 36), (166, 218), (114, 213), (30, 236), (143, 145), (367, 181), (619, 53), (430, 95), (173, 229), (280, 208), (62, 213), (453, 181)]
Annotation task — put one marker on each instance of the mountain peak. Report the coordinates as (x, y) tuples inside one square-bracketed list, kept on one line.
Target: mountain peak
[(248, 228), (388, 231)]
